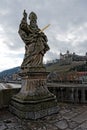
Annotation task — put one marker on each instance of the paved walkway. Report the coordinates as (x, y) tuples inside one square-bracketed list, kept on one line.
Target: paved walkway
[(70, 117)]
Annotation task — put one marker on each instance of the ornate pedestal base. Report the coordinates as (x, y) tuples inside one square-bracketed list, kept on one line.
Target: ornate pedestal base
[(34, 100)]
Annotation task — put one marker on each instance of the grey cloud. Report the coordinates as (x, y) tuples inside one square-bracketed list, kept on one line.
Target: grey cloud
[(51, 56), (81, 47)]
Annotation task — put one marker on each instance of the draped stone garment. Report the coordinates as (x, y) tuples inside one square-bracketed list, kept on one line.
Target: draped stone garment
[(35, 45)]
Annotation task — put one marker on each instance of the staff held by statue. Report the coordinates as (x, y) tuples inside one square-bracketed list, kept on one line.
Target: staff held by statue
[(44, 28)]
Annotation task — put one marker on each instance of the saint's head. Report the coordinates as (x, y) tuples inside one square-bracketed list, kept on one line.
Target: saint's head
[(33, 20)]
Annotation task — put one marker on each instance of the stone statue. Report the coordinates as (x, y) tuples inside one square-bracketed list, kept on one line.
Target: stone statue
[(35, 42), (34, 99)]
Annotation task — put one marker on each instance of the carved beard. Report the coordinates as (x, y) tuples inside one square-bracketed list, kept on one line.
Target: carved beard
[(33, 24)]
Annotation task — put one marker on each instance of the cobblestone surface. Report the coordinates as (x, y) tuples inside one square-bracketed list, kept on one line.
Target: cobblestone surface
[(70, 117)]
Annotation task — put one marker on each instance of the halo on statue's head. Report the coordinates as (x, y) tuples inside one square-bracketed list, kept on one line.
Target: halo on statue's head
[(32, 16)]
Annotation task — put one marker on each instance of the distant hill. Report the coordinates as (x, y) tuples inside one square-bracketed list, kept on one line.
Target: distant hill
[(51, 67), (9, 72)]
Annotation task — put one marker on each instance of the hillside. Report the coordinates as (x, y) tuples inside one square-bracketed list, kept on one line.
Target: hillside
[(9, 72), (79, 66), (64, 68)]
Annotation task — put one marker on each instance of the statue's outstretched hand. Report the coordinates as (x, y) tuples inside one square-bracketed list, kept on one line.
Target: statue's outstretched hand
[(25, 14)]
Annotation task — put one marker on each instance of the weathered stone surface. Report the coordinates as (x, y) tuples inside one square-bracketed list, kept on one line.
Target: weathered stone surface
[(79, 128), (84, 125), (51, 127), (34, 99), (62, 124), (52, 122), (2, 126), (6, 95), (34, 110), (68, 129), (72, 124), (80, 118), (69, 115)]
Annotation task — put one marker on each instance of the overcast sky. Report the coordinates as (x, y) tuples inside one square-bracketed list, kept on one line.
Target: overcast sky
[(68, 30)]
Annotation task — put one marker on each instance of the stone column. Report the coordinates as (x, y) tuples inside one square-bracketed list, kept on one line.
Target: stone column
[(76, 95), (83, 95), (72, 95)]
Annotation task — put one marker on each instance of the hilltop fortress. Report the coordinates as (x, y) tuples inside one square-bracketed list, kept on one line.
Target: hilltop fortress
[(68, 58)]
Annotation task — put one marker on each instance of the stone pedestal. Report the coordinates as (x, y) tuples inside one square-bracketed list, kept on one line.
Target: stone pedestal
[(34, 99)]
